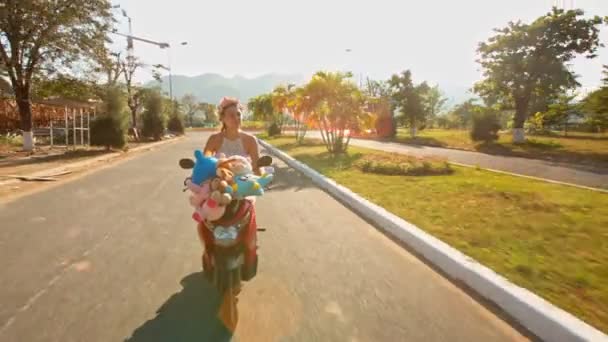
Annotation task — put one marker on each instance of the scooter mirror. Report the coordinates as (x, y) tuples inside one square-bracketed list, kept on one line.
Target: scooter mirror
[(265, 161), (186, 163)]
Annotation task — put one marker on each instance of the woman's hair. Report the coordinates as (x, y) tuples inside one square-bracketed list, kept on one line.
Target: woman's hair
[(225, 103)]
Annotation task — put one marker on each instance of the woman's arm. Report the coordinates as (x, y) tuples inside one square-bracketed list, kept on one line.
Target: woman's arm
[(212, 145), (251, 145)]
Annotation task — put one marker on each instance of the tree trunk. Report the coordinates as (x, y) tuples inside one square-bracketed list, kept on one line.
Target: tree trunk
[(413, 131), (133, 130), (413, 127), (25, 114), (521, 113)]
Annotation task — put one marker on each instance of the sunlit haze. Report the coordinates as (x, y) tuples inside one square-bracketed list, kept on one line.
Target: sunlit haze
[(436, 39)]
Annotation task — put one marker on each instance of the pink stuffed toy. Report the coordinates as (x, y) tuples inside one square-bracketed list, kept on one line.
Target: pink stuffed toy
[(208, 202), (205, 208)]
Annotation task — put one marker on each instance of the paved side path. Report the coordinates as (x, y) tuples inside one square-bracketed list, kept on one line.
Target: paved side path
[(569, 173), (114, 256)]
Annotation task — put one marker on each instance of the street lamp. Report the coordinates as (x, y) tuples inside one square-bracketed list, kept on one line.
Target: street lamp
[(168, 46), (170, 73), (348, 51)]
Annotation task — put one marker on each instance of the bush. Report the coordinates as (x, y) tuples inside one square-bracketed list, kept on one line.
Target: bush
[(176, 124), (485, 126), (153, 117), (274, 130), (11, 139), (403, 165), (109, 129), (385, 127)]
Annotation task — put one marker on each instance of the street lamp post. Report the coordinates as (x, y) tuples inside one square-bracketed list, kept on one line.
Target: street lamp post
[(349, 51), (171, 74)]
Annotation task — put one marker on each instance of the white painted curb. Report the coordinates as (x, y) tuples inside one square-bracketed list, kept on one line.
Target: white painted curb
[(540, 317)]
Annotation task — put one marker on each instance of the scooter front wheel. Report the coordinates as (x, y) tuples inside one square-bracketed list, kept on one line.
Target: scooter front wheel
[(228, 284)]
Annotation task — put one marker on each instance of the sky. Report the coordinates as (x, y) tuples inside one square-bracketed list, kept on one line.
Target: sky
[(435, 39)]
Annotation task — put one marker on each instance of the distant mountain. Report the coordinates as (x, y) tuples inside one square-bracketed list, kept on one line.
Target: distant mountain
[(212, 87)]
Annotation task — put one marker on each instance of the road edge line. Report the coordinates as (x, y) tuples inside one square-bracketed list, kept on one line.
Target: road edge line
[(540, 317)]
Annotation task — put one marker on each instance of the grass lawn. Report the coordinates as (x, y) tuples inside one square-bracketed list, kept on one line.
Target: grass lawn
[(577, 147), (548, 238)]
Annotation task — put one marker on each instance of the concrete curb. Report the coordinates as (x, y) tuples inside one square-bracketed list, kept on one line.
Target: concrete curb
[(540, 317), (91, 161)]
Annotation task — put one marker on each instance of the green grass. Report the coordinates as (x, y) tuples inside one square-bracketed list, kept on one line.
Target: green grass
[(577, 147), (549, 238), (10, 140)]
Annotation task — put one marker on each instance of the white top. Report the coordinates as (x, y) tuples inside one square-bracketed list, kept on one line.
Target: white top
[(233, 147)]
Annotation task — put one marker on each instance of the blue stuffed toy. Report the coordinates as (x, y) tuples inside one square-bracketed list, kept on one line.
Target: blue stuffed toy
[(204, 168), (250, 185)]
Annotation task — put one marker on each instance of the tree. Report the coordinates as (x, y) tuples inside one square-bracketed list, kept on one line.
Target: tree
[(262, 109), (463, 113), (109, 64), (559, 113), (282, 97), (435, 102), (526, 63), (485, 124), (108, 128), (154, 116), (191, 107), (210, 112), (134, 100), (300, 108), (176, 124), (338, 108), (379, 102), (65, 87), (36, 35), (409, 99), (596, 107)]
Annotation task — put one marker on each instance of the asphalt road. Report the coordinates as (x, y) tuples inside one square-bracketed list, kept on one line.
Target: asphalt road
[(585, 175), (114, 256)]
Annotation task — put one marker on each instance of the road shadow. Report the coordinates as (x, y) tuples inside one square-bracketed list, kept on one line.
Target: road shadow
[(552, 154), (288, 179), (189, 315), (419, 142)]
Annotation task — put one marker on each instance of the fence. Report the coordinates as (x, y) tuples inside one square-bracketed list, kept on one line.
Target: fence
[(60, 122)]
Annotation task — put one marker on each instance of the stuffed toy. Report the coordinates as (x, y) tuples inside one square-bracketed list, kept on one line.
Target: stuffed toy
[(250, 185), (211, 201), (204, 168)]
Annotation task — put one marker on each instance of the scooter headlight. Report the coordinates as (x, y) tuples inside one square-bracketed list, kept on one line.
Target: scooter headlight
[(225, 236)]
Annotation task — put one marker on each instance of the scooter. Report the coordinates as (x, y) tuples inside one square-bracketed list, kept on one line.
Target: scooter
[(230, 255)]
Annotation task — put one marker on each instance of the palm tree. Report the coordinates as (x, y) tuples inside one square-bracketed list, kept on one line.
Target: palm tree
[(338, 108)]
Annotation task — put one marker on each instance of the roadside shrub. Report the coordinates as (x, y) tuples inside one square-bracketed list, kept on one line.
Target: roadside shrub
[(176, 125), (153, 117), (274, 130), (108, 131), (397, 164), (109, 128), (485, 126)]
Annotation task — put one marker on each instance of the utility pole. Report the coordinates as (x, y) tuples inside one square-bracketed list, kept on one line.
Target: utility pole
[(131, 55)]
